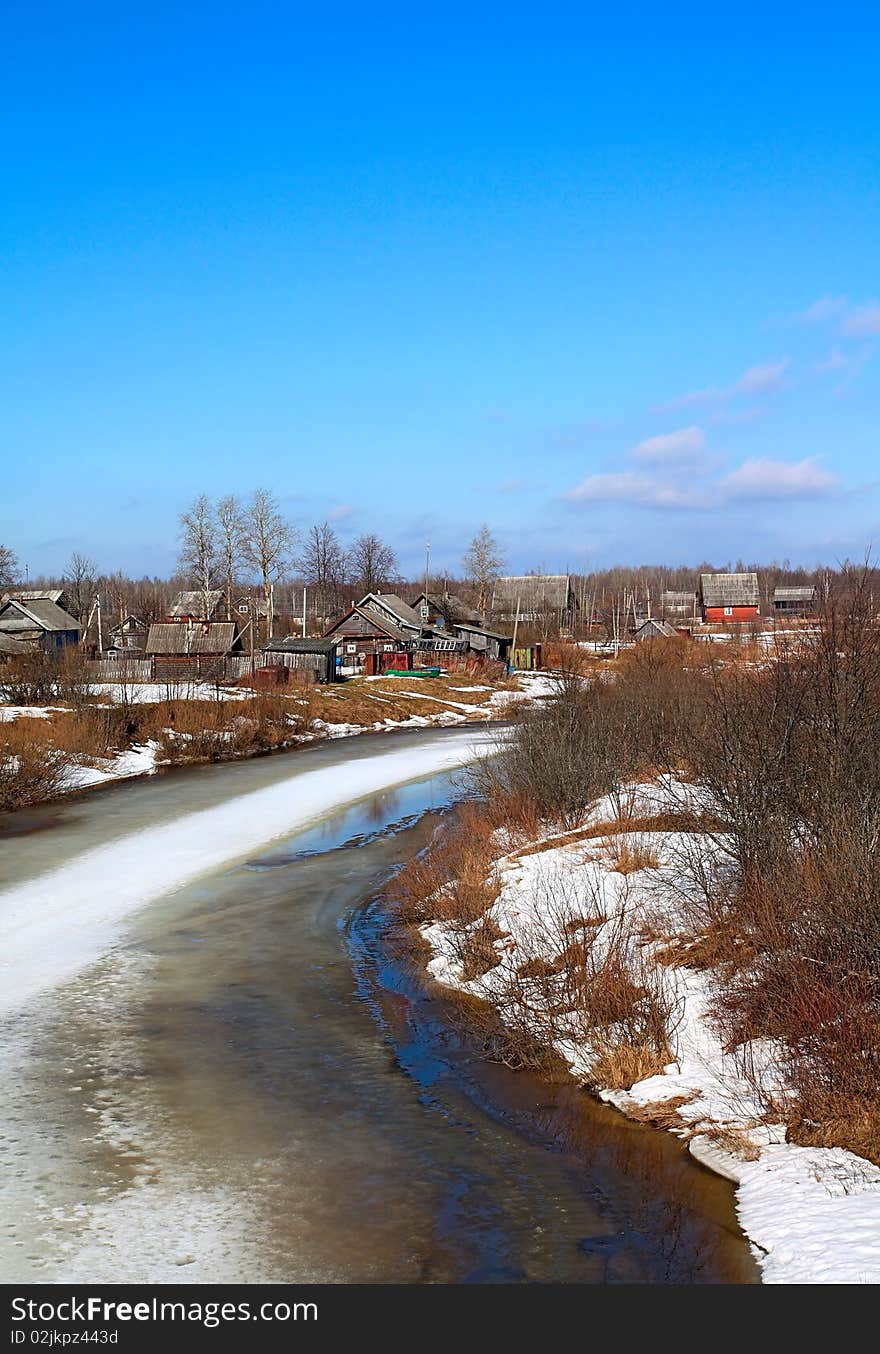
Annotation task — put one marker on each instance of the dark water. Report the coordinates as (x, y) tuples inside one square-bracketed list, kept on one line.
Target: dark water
[(254, 1087)]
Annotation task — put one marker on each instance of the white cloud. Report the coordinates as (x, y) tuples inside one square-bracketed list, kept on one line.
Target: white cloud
[(709, 395), (768, 478), (682, 447), (764, 379), (341, 512), (863, 321), (628, 486)]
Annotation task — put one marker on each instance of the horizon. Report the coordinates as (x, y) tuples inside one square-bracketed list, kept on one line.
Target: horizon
[(607, 283)]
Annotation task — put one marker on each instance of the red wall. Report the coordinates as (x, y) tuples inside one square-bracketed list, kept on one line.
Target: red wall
[(715, 614)]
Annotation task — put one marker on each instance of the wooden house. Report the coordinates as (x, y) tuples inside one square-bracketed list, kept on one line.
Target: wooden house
[(39, 618), (795, 601), (182, 650), (653, 627), (378, 623), (678, 605), (540, 597), (129, 635), (195, 605), (729, 597)]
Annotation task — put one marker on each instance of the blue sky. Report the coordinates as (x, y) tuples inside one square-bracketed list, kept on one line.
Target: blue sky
[(606, 280)]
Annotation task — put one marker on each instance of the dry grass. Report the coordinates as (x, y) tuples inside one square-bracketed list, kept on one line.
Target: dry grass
[(31, 769), (628, 855), (619, 1064)]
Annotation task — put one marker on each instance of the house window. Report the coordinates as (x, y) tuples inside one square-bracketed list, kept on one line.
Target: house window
[(351, 648), (728, 611)]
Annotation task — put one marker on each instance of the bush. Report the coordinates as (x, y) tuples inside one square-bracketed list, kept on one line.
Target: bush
[(31, 770)]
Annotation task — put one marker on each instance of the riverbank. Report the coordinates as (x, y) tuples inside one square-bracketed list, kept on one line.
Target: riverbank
[(122, 732), (571, 938)]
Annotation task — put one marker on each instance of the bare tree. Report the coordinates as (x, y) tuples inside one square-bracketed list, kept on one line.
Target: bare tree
[(482, 563), (371, 563), (80, 582), (268, 542), (322, 562), (8, 566), (198, 547), (230, 522)]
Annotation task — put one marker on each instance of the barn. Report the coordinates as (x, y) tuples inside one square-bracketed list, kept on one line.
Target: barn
[(182, 650), (729, 597)]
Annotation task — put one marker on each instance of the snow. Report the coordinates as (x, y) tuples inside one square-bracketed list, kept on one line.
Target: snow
[(812, 1214), (56, 924), (142, 693), (9, 712), (136, 761)]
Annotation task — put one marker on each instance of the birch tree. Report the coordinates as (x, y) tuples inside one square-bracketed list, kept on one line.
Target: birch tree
[(268, 542), (322, 564), (231, 533), (198, 548), (80, 583), (482, 563)]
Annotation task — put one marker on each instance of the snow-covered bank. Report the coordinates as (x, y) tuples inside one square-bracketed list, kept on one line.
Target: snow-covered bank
[(55, 924), (812, 1214)]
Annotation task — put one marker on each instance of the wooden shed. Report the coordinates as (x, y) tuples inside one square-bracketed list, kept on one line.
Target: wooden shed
[(314, 659)]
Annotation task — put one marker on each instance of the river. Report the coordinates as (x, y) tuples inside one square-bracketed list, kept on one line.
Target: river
[(216, 1068)]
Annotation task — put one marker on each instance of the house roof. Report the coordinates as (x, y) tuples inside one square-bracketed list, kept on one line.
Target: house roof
[(553, 590), (400, 611), (670, 598), (40, 611), (376, 617), (801, 593), (654, 628), (292, 645), (201, 638), (480, 630), (36, 595), (192, 603), (729, 589), (447, 604)]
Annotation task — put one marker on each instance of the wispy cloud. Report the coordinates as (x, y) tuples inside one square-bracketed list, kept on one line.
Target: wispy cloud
[(765, 378), (341, 512), (863, 321), (761, 380), (766, 478), (682, 447), (835, 361), (852, 319)]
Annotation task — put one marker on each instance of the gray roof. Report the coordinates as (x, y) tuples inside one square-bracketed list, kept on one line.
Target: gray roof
[(449, 605), (36, 595), (654, 628), (178, 639), (729, 589), (192, 603), (41, 611), (400, 610), (670, 598), (291, 645), (533, 590), (480, 630), (802, 593)]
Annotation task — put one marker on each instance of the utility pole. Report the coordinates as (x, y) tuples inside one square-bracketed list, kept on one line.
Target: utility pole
[(426, 606), (515, 628), (304, 613)]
